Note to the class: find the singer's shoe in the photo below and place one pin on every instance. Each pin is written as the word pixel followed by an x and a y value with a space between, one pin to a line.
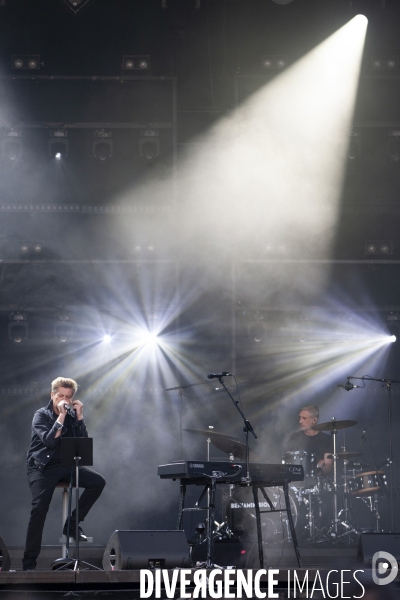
pixel 72 532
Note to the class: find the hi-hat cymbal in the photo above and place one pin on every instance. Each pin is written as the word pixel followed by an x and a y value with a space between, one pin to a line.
pixel 331 425
pixel 346 455
pixel 209 432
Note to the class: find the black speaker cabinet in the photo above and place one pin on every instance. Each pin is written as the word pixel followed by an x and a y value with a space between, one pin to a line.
pixel 369 543
pixel 5 561
pixel 128 550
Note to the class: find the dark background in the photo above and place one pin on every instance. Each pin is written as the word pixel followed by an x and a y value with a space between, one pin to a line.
pixel 127 245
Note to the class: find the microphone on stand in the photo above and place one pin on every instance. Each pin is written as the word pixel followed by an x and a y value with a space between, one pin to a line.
pixel 362 438
pixel 348 386
pixel 218 375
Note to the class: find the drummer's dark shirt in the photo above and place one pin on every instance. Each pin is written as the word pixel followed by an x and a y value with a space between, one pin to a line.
pixel 319 444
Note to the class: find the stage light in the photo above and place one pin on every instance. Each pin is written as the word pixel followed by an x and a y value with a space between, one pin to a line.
pixel 58 143
pixel 103 145
pixel 354 150
pixel 23 249
pixel 385 63
pixel 63 329
pixel 149 144
pixel 393 316
pixel 107 338
pixel 148 338
pixel 270 63
pixel 392 338
pixel 136 63
pixel 378 247
pixel 37 248
pixel 22 62
pixel 18 327
pixel 257 332
pixel 12 150
pixel 76 5
pixel 12 145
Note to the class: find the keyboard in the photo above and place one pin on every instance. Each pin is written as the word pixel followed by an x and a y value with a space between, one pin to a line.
pixel 200 472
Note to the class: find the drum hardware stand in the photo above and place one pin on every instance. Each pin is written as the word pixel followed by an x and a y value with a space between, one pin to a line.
pixel 388 383
pixel 332 531
pixel 334 524
pixel 345 521
pixel 376 512
pixel 311 521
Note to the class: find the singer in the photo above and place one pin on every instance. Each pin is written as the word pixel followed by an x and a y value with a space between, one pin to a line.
pixel 63 416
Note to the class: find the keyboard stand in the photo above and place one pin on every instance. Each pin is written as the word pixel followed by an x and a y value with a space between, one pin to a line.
pixel 288 511
pixel 211 488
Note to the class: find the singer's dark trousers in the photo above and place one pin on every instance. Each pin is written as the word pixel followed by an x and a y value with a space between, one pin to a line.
pixel 42 484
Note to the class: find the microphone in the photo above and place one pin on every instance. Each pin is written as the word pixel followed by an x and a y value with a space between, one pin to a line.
pixel 70 411
pixel 218 375
pixel 348 386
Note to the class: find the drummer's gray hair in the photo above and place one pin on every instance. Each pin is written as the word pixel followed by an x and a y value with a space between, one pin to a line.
pixel 313 410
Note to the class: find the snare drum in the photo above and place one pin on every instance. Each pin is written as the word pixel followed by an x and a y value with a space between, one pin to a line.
pixel 308 461
pixel 365 484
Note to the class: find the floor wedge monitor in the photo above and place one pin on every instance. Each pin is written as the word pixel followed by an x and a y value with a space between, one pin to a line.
pixel 131 549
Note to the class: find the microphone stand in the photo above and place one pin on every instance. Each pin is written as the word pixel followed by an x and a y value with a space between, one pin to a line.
pixel 388 384
pixel 247 427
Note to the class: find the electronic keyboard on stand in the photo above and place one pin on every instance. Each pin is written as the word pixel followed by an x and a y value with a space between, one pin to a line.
pixel 211 473
pixel 198 472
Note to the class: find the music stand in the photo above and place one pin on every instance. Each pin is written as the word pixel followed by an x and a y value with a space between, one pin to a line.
pixel 77 452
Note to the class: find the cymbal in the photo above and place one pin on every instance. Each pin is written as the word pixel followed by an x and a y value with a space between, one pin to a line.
pixel 223 442
pixel 209 432
pixel 346 455
pixel 230 446
pixel 331 425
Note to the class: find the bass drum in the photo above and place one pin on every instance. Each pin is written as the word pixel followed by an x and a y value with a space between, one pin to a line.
pixel 308 461
pixel 274 525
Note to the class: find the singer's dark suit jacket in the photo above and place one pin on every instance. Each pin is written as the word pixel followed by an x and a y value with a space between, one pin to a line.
pixel 44 444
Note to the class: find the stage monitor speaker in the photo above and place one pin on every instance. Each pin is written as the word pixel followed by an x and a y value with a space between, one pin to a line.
pixel 5 561
pixel 128 550
pixel 369 543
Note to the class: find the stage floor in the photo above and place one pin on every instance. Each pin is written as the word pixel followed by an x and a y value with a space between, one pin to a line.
pixel 44 584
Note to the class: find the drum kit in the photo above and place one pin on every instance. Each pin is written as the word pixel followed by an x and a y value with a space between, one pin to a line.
pixel 330 507
pixel 325 509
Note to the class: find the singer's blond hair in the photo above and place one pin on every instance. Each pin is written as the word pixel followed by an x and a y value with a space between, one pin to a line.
pixel 64 382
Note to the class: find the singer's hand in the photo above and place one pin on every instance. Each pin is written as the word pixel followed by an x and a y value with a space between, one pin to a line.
pixel 78 407
pixel 61 408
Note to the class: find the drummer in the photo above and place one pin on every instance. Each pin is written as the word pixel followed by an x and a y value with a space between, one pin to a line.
pixel 311 441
